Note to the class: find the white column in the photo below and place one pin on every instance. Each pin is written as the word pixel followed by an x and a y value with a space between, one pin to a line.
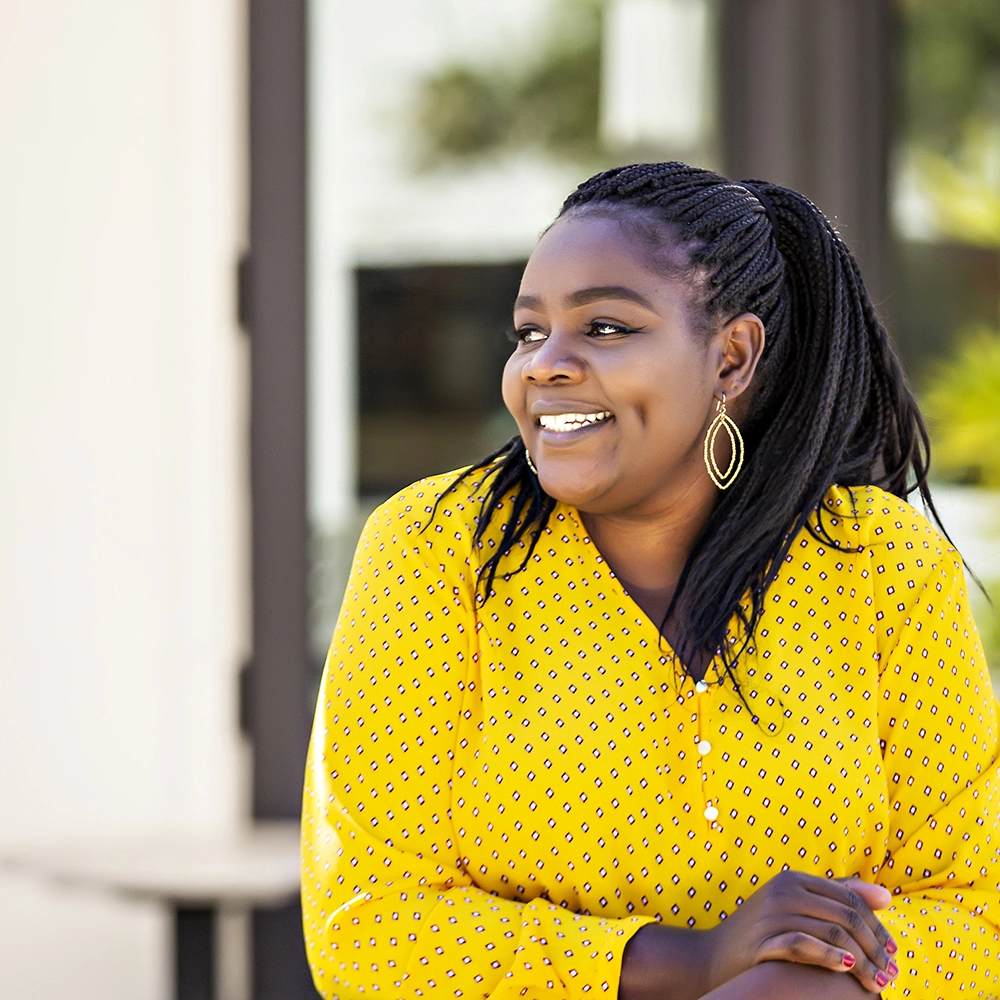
pixel 123 568
pixel 331 333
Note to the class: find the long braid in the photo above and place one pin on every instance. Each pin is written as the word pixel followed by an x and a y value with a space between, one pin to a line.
pixel 829 404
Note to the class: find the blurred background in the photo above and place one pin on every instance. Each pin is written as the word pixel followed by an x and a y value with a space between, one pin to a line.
pixel 257 261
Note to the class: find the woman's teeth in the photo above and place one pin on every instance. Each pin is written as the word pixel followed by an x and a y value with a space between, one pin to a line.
pixel 571 421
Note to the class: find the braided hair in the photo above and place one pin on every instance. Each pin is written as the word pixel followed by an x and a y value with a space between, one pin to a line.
pixel 829 404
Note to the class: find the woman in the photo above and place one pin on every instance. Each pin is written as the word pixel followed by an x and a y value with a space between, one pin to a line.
pixel 675 695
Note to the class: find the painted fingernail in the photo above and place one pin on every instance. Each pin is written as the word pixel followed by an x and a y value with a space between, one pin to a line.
pixel 892 947
pixel 881 980
pixel 848 960
pixel 892 969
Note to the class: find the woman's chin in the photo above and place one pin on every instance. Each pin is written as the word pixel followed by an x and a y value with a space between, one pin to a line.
pixel 578 487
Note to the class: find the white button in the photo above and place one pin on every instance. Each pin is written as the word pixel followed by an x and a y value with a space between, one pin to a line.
pixel 704 747
pixel 711 814
pixel 701 687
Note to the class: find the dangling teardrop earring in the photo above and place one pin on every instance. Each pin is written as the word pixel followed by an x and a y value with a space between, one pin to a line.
pixel 531 465
pixel 723 422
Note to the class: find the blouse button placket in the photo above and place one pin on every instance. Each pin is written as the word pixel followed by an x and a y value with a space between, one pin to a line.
pixel 704 748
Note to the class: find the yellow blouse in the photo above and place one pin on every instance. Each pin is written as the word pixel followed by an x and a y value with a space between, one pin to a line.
pixel 499 795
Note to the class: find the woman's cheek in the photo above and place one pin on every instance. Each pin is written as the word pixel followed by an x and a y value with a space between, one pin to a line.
pixel 512 390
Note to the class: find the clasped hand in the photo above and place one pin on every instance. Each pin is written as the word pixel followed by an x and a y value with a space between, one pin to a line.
pixel 793 918
pixel 809 920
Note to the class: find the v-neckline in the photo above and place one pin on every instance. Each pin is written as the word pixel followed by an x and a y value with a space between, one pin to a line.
pixel 627 600
pixel 640 616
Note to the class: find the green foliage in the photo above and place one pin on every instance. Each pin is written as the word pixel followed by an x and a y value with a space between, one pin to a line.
pixel 952 129
pixel 548 102
pixel 952 113
pixel 964 188
pixel 987 614
pixel 559 97
pixel 962 405
pixel 463 113
pixel 952 69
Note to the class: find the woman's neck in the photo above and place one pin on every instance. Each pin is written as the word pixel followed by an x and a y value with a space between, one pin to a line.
pixel 648 551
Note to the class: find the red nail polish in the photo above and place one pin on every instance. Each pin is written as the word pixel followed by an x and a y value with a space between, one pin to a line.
pixel 892 969
pixel 891 947
pixel 881 980
pixel 848 960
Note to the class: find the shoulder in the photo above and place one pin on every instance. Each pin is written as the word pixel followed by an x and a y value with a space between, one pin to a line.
pixel 872 558
pixel 414 506
pixel 433 520
pixel 900 556
pixel 866 517
pixel 447 495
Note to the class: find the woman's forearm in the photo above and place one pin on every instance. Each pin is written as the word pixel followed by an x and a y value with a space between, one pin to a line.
pixel 789 981
pixel 673 962
pixel 661 961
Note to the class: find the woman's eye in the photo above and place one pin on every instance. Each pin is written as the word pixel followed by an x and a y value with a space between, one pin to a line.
pixel 600 328
pixel 526 335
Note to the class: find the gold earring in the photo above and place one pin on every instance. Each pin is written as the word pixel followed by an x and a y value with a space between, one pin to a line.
pixel 531 465
pixel 723 422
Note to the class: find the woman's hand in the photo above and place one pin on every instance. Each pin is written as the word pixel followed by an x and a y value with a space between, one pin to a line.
pixel 794 919
pixel 809 920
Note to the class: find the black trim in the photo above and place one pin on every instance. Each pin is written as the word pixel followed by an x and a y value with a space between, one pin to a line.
pixel 274 304
pixel 278 716
pixel 194 957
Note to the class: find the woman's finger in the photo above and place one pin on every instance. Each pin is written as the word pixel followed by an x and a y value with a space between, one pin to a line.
pixel 816 942
pixel 846 894
pixel 806 949
pixel 852 924
pixel 876 896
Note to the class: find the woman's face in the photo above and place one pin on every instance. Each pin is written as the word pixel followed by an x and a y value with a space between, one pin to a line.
pixel 611 386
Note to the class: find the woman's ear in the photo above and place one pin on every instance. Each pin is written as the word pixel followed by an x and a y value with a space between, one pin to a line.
pixel 741 343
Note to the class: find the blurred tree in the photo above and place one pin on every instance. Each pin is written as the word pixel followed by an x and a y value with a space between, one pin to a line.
pixel 964 187
pixel 549 101
pixel 952 69
pixel 952 134
pixel 962 398
pixel 988 620
pixel 951 113
pixel 962 404
pixel 464 113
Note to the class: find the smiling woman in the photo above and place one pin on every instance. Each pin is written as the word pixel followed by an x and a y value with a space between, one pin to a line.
pixel 591 723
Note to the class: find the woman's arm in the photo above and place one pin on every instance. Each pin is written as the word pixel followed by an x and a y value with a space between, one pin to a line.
pixel 663 962
pixel 938 730
pixel 790 981
pixel 390 907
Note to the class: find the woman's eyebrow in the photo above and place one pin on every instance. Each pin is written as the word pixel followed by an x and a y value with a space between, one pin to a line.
pixel 587 295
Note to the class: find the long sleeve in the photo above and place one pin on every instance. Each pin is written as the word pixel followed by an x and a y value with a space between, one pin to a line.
pixel 389 905
pixel 937 718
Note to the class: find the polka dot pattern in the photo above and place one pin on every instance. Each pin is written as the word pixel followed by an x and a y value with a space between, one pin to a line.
pixel 499 795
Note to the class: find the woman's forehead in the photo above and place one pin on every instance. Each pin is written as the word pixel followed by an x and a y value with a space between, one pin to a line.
pixel 594 250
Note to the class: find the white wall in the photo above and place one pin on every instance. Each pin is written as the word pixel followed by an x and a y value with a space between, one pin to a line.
pixel 123 505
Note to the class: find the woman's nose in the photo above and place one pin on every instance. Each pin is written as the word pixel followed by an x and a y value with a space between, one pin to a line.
pixel 554 360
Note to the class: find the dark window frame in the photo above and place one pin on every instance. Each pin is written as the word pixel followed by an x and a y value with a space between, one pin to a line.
pixel 273 303
pixel 277 716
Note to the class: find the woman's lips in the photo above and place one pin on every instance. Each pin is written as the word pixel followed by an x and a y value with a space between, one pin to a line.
pixel 566 423
pixel 558 429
